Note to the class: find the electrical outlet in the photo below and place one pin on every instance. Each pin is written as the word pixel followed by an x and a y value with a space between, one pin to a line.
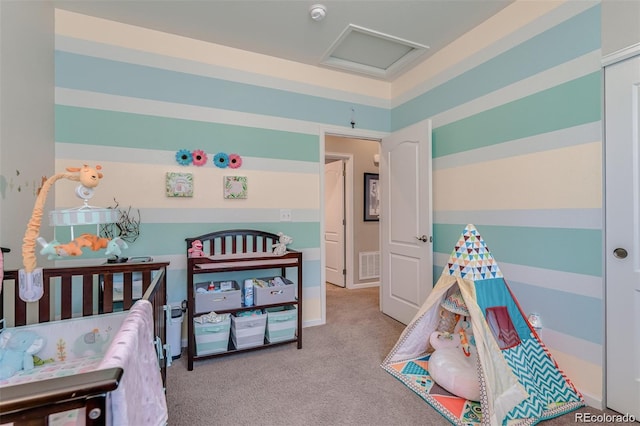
pixel 285 215
pixel 535 321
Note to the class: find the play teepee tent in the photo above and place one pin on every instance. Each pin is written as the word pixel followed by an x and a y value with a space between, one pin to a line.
pixel 472 355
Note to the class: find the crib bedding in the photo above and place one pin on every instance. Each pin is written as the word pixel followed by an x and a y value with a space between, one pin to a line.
pixel 122 339
pixel 139 400
pixel 71 346
pixel 53 370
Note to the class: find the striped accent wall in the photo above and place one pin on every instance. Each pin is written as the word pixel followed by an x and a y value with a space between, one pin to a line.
pixel 130 103
pixel 517 151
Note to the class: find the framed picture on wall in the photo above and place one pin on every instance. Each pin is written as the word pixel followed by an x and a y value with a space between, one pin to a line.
pixel 371 197
pixel 179 184
pixel 235 187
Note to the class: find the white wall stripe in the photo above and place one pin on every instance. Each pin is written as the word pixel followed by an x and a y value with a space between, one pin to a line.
pixel 85 99
pixel 543 218
pixel 132 56
pixel 424 73
pixel 590 286
pixel 544 80
pixel 579 348
pixel 231 214
pixel 571 136
pixel 102 154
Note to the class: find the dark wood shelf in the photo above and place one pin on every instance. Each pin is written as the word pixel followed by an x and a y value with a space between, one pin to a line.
pixel 233 350
pixel 239 250
pixel 249 308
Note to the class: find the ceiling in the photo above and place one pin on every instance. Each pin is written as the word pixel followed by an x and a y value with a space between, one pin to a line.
pixel 367 37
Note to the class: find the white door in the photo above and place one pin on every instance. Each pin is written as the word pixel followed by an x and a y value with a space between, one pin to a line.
pixel 622 158
pixel 334 222
pixel 405 221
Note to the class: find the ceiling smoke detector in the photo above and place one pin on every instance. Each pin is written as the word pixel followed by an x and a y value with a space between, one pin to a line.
pixel 318 12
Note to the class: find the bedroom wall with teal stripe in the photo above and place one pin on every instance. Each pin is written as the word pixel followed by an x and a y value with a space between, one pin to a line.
pixel 123 129
pixel 129 98
pixel 568 40
pixel 107 76
pixel 566 105
pixel 517 151
pixel 131 110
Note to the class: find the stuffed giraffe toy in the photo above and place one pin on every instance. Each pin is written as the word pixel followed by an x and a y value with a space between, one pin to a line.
pixel 31 279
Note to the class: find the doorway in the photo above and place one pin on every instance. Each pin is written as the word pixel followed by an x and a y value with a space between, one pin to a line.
pixel 335 218
pixel 343 212
pixel 341 140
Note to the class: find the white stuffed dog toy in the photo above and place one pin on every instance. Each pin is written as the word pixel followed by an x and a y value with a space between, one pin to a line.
pixel 281 247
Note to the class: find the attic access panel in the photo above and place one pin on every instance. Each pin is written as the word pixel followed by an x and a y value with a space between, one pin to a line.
pixel 371 52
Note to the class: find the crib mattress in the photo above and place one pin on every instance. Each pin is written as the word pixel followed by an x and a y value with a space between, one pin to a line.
pixel 54 370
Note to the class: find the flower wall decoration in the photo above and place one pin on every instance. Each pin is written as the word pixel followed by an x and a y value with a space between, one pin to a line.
pixel 221 160
pixel 184 157
pixel 199 157
pixel 235 161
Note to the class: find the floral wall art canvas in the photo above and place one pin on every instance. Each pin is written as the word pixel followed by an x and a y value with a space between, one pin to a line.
pixel 179 184
pixel 235 187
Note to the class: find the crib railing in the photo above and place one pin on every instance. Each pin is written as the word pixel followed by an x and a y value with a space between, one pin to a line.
pixel 92 285
pixel 32 403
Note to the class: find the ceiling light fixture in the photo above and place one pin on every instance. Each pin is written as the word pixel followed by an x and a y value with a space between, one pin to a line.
pixel 318 12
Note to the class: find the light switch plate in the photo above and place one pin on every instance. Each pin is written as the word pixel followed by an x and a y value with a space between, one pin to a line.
pixel 285 215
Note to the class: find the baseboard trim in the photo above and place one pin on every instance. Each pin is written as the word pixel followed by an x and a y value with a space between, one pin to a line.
pixel 312 323
pixel 364 285
pixel 593 401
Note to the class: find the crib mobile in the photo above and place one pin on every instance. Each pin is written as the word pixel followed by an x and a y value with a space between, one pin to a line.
pixel 30 277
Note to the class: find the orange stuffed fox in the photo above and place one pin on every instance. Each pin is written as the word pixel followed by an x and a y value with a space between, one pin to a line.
pixel 95 242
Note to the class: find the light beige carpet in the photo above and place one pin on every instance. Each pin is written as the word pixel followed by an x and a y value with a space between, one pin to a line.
pixel 335 379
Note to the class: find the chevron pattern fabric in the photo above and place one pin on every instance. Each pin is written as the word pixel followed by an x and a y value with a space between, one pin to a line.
pixel 547 387
pixel 550 392
pixel 471 258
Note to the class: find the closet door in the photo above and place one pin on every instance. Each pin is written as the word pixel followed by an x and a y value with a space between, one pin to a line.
pixel 622 245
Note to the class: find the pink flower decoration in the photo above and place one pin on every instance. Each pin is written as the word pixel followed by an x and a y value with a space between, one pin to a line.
pixel 235 161
pixel 199 157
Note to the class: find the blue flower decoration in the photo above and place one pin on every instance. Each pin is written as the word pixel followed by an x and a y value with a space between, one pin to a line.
pixel 221 160
pixel 184 157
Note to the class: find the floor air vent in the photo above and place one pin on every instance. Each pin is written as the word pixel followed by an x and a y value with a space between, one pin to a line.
pixel 369 265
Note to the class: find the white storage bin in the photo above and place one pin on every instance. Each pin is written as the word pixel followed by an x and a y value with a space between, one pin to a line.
pixel 276 293
pixel 282 324
pixel 248 332
pixel 214 301
pixel 212 337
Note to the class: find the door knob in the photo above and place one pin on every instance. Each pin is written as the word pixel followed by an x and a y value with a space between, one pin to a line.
pixel 423 238
pixel 620 253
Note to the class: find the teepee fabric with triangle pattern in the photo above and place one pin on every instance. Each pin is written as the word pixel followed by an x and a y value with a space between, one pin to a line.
pixel 520 381
pixel 471 258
